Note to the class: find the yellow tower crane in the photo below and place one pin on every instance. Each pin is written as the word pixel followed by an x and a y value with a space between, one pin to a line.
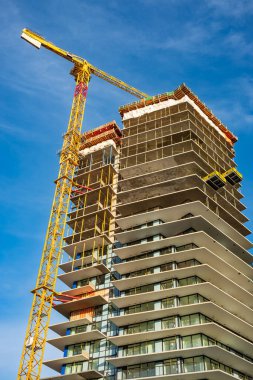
pixel 43 294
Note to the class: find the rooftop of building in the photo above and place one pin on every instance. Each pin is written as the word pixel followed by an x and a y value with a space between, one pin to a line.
pixel 100 134
pixel 178 94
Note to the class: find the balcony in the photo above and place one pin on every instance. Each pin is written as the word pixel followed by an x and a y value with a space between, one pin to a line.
pixel 144 190
pixel 99 297
pixel 203 255
pixel 216 374
pixel 83 261
pixel 81 223
pixel 88 288
pixel 214 352
pixel 87 244
pixel 190 194
pixel 211 329
pixel 92 195
pixel 179 227
pixel 200 239
pixel 87 336
pixel 60 328
pixel 56 364
pixel 211 310
pixel 206 289
pixel 89 374
pixel 173 213
pixel 204 271
pixel 83 273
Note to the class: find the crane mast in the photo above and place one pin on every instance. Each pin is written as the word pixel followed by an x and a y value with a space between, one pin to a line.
pixel 44 292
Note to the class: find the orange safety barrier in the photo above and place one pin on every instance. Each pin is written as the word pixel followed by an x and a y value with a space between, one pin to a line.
pixel 109 131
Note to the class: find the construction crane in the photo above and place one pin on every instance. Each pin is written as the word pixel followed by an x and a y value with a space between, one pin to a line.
pixel 44 292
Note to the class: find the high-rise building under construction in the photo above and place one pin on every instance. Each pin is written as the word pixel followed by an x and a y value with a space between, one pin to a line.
pixel 159 274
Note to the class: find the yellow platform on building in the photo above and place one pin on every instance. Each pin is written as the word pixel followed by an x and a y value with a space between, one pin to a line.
pixel 215 180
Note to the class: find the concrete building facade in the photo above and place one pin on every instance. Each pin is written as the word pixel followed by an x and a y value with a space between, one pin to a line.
pixel 159 273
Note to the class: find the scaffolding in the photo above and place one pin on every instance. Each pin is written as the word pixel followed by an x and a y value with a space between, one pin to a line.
pixel 178 95
pixel 91 220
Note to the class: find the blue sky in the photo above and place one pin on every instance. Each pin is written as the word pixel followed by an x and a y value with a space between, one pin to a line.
pixel 152 45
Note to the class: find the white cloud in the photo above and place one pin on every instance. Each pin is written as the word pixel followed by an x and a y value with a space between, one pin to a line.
pixel 231 8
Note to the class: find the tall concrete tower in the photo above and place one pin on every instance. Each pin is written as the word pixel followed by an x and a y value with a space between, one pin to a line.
pixel 159 273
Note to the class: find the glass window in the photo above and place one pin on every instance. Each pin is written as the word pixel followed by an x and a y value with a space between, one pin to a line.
pixel 204 319
pixel 199 363
pixel 189 364
pixel 147 306
pixel 150 326
pixel 140 289
pixel 140 348
pixel 100 280
pixel 73 368
pixel 210 342
pixel 170 366
pixel 192 341
pixel 169 344
pixel 80 329
pixel 185 320
pixel 169 323
pixel 183 282
pixel 191 299
pixel 211 364
pixel 194 319
pixel 98 311
pixel 95 346
pixel 168 266
pixel 194 364
pixel 167 284
pixel 140 327
pixel 148 347
pixel 168 302
pixel 77 349
pixel 132 329
pixel 187 342
pixel 133 372
pixel 135 349
pixel 188 263
pixel 189 281
pixel 94 364
pixel 196 340
pixel 166 250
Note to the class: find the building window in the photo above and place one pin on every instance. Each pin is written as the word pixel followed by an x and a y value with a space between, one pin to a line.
pixel 140 327
pixel 169 323
pixel 170 367
pixel 191 299
pixel 140 308
pixel 140 348
pixel 168 302
pixel 188 263
pixel 168 266
pixel 190 281
pixel 73 368
pixel 194 319
pixel 169 344
pixel 78 329
pixel 192 341
pixel 194 364
pixel 167 284
pixel 140 289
